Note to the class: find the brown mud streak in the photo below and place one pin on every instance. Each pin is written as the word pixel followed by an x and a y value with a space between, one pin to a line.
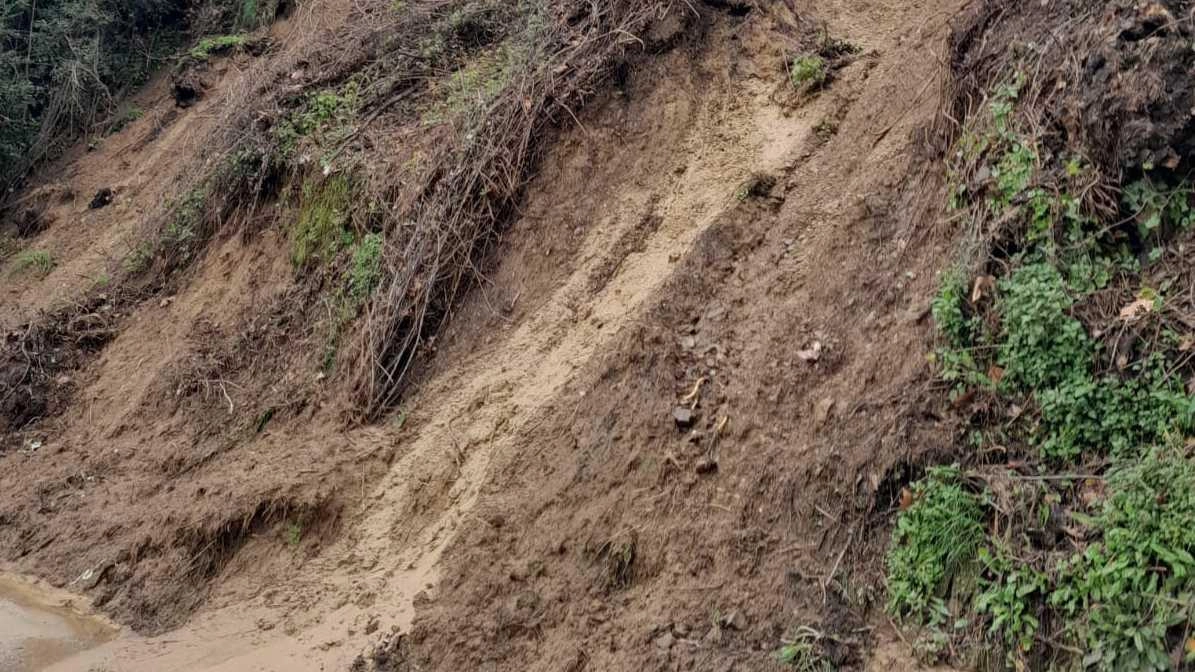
pixel 544 430
pixel 762 510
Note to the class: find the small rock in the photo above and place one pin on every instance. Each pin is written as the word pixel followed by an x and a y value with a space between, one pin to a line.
pixel 823 410
pixel 812 353
pixel 706 465
pixel 735 620
pixel 688 342
pixel 102 197
pixel 665 641
pixel 683 416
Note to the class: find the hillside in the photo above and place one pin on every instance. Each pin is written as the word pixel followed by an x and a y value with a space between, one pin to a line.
pixel 609 335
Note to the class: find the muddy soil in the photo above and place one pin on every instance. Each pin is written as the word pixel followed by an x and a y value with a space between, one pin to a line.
pixel 42 626
pixel 663 433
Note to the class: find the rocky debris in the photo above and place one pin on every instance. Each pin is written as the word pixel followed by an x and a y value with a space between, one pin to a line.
pixel 684 417
pixel 812 353
pixel 823 410
pixel 102 197
pixel 735 620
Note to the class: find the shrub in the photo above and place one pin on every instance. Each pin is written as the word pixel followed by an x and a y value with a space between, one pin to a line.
pixel 1043 344
pixel 1011 599
pixel 808 69
pixel 65 65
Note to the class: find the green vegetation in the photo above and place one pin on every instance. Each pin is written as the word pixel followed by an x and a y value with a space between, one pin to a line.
pixel 941 530
pixel 138 260
pixel 1125 595
pixel 366 269
pixel 124 117
pixel 293 534
pixel 319 233
pixel 1037 343
pixel 1008 597
pixel 40 262
pixel 324 116
pixel 807 70
pixel 803 653
pixel 64 64
pixel 216 44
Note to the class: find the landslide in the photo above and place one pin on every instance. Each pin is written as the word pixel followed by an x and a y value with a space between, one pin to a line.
pixel 462 335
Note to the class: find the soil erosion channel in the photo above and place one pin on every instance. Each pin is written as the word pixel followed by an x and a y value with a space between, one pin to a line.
pixel 629 192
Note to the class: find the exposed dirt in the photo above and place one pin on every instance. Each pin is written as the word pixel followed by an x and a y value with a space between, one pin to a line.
pixel 534 505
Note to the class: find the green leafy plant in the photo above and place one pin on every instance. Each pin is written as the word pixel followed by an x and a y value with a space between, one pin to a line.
pixel 1010 592
pixel 807 70
pixel 949 310
pixel 366 269
pixel 216 44
pixel 803 653
pixel 1043 344
pixel 1154 207
pixel 293 534
pixel 325 116
pixel 934 537
pixel 1013 173
pixel 1127 594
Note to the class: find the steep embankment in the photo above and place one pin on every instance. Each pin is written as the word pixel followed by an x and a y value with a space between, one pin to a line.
pixel 663 431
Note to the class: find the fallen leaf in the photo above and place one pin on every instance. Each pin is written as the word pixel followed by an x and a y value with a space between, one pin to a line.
pixel 996 374
pixel 1135 310
pixel 906 499
pixel 963 399
pixel 1186 343
pixel 1191 646
pixel 985 285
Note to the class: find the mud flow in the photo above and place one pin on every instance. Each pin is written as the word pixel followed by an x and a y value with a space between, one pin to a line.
pixel 37 631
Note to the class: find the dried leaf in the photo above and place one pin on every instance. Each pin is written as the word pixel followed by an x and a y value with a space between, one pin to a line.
pixel 1186 343
pixel 906 499
pixel 1136 310
pixel 985 285
pixel 996 374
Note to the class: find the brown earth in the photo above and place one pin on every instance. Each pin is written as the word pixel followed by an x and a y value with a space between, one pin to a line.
pixel 704 236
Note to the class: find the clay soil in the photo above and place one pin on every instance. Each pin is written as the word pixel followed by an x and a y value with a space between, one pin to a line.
pixel 665 431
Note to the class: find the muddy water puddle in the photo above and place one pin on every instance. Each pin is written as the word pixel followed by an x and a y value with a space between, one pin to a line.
pixel 38 627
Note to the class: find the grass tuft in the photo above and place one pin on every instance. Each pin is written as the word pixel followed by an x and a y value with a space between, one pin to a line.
pixel 39 262
pixel 934 537
pixel 319 232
